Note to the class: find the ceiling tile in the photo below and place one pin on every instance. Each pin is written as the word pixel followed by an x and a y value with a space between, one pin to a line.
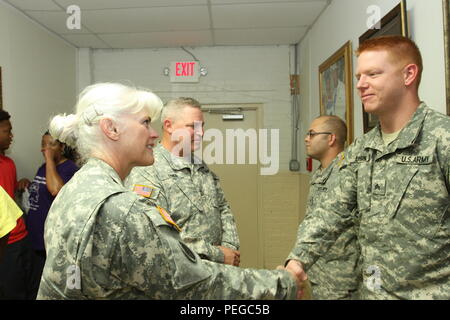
pixel 55 21
pixel 115 4
pixel 158 39
pixel 258 36
pixel 34 4
pixel 143 20
pixel 215 2
pixel 174 23
pixel 265 15
pixel 85 41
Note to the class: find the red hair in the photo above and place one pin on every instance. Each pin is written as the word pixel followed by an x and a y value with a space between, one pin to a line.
pixel 401 49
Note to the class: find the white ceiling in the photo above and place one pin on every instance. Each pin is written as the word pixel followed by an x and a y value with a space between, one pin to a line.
pixel 175 23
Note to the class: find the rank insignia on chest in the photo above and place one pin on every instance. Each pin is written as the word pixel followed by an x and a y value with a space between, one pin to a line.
pixel 166 216
pixel 379 187
pixel 145 191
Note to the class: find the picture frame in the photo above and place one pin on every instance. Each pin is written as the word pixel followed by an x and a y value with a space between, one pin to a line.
pixel 336 87
pixel 446 12
pixel 395 22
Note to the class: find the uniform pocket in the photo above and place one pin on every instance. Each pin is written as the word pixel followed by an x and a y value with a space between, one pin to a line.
pixel 399 193
pixel 188 252
pixel 188 268
pixel 420 204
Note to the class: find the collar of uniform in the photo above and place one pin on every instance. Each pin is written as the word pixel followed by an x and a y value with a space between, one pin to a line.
pixel 374 139
pixel 177 163
pixel 321 176
pixel 409 134
pixel 95 162
pixel 406 137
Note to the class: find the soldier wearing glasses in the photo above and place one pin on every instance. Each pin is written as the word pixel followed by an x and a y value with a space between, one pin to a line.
pixel 334 276
pixel 397 177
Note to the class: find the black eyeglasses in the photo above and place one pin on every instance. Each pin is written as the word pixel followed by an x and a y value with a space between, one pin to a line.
pixel 311 134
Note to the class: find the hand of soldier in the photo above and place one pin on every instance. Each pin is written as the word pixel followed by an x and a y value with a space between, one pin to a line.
pixel 231 257
pixel 296 269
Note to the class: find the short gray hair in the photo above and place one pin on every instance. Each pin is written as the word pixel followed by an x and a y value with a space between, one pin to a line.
pixel 173 107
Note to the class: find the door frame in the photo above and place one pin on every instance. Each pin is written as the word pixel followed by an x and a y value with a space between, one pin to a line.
pixel 259 108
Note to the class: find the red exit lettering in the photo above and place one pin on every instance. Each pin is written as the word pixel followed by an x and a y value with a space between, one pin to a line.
pixel 184 69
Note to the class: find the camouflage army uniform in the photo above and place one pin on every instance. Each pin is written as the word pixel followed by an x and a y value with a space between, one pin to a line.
pixel 334 276
pixel 105 242
pixel 401 192
pixel 195 200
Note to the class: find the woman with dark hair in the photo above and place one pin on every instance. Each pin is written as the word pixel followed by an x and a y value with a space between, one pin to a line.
pixel 58 168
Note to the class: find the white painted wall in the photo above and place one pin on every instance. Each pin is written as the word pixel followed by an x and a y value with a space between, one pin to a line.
pixel 345 20
pixel 84 68
pixel 39 80
pixel 235 75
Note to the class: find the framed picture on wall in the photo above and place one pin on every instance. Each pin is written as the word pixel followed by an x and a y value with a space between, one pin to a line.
pixel 335 87
pixel 393 23
pixel 446 10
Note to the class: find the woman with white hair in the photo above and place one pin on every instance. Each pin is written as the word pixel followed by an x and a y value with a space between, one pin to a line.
pixel 105 242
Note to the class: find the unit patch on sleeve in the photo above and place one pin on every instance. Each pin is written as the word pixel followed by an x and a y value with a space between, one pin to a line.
pixel 166 216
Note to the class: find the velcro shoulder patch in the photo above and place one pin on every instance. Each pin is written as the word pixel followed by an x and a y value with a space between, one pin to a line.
pixel 143 190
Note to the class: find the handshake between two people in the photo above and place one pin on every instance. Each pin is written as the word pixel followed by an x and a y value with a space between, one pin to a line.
pixel 231 257
pixel 295 268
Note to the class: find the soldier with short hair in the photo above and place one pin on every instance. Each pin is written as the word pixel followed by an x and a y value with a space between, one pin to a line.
pixel 335 275
pixel 186 186
pixel 397 176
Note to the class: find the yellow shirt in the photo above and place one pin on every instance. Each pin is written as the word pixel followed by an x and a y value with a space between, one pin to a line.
pixel 9 213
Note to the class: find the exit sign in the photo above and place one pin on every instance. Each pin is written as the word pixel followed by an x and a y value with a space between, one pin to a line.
pixel 184 71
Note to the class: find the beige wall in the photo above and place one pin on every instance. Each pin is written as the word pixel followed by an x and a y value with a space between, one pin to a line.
pixel 39 80
pixel 283 205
